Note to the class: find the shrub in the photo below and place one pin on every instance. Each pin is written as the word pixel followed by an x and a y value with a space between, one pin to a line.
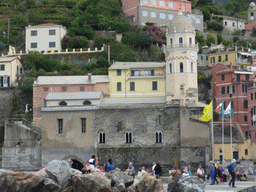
pixel 102 62
pixel 78 42
pixel 64 41
pixel 235 39
pixel 2 45
pixel 215 26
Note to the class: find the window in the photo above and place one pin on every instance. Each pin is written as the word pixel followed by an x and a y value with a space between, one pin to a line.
pixel 227 89
pixel 118 72
pixel 170 17
pixel 232 91
pixel 87 102
pixel 102 138
pixel 144 13
pixel 144 1
pixel 162 3
pixel 153 14
pixel 232 104
pixel 233 24
pixel 251 96
pixel 219 58
pixel 132 86
pixel 242 67
pixel 52 44
pixel 222 90
pixel 158 137
pixel 213 60
pixel 60 126
pixel 206 58
pixel 21 70
pixel 153 2
pixel 170 68
pixel 149 72
pixel 245 118
pixel 128 137
pixel 34 33
pixel 162 15
pixel 192 67
pixel 246 152
pixel 244 88
pixel 180 40
pixel 251 14
pixel 181 67
pixel 137 73
pixel 202 57
pixel 154 85
pixel 52 32
pixel 171 4
pixel 83 125
pixel 226 57
pixel 132 72
pixel 46 89
pixel 238 77
pixel 223 77
pixel 245 104
pixel 197 20
pixel 64 89
pixel 171 41
pixel 81 88
pixel 63 103
pixel 190 40
pixel 119 88
pixel 226 23
pixel 33 45
pixel 247 76
pixel 2 67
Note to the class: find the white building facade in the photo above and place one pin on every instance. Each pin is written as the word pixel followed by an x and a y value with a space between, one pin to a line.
pixel 44 37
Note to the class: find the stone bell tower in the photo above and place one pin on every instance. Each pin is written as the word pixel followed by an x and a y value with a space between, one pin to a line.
pixel 181 62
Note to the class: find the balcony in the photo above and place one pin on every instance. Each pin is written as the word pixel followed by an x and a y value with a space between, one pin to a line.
pixel 181 45
pixel 144 76
pixel 243 61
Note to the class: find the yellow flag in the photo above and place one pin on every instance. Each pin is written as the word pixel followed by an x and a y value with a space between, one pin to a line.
pixel 207 113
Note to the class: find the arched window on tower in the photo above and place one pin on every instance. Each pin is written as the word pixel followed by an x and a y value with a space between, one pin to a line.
pixel 251 14
pixel 192 67
pixel 170 41
pixel 170 68
pixel 181 42
pixel 181 67
pixel 190 40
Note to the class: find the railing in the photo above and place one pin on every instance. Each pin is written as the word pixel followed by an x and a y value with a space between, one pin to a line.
pixel 143 75
pixel 182 46
pixel 246 61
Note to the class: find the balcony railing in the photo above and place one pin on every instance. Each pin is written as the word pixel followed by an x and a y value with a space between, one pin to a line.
pixel 143 75
pixel 181 45
pixel 245 61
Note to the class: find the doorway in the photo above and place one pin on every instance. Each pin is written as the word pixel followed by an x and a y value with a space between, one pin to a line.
pixel 235 155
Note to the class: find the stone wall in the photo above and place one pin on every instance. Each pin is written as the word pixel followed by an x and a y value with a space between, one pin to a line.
pixel 6 102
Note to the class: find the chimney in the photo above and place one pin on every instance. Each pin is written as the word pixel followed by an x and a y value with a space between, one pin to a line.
pixel 89 77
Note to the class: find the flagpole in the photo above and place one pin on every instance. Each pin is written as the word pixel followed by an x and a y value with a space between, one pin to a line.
pixel 222 132
pixel 212 136
pixel 231 134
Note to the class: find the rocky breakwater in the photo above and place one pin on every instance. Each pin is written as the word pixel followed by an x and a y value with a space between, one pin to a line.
pixel 57 176
pixel 186 184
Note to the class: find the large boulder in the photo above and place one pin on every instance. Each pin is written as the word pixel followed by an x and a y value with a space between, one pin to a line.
pixel 186 184
pixel 60 172
pixel 119 179
pixel 148 183
pixel 94 182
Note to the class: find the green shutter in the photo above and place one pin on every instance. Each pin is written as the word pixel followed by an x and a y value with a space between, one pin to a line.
pixel 206 58
pixel 223 90
pixel 219 59
pixel 152 72
pixel 8 81
pixel 251 96
pixel 232 105
pixel 245 104
pixel 132 86
pixel 132 73
pixel 223 77
pixel 119 72
pixel 2 79
pixel 227 89
pixel 2 67
pixel 226 57
pixel 119 86
pixel 154 85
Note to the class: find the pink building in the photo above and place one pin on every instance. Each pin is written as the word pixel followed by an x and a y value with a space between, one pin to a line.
pixel 231 84
pixel 160 12
pixel 252 113
pixel 46 84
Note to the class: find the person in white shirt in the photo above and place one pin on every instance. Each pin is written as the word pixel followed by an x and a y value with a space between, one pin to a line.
pixel 153 169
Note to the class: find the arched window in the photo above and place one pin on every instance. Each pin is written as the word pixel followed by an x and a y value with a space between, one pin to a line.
pixel 63 103
pixel 158 137
pixel 128 137
pixel 181 67
pixel 190 40
pixel 181 42
pixel 171 41
pixel 87 102
pixel 170 68
pixel 251 14
pixel 192 67
pixel 102 137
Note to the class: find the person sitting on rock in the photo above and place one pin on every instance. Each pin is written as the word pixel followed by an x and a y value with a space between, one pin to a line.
pixel 103 168
pixel 200 172
pixel 87 168
pixel 241 173
pixel 70 162
pixel 250 170
pixel 92 160
pixel 153 169
pixel 130 170
pixel 176 173
pixel 110 166
pixel 158 170
pixel 187 171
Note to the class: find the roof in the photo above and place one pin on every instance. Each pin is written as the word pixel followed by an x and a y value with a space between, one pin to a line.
pixel 249 26
pixel 44 24
pixel 73 95
pixel 181 24
pixel 68 108
pixel 135 65
pixel 7 59
pixel 70 80
pixel 228 18
pixel 130 101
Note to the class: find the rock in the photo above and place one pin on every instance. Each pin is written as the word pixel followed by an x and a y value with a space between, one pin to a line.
pixel 94 182
pixel 119 178
pixel 148 183
pixel 186 184
pixel 50 186
pixel 40 172
pixel 59 171
pixel 75 171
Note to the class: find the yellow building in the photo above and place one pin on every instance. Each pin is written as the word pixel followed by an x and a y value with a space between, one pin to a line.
pixel 222 57
pixel 137 79
pixel 10 71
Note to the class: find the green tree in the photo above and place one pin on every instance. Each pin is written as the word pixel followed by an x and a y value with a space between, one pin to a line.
pixel 253 32
pixel 2 46
pixel 226 43
pixel 141 40
pixel 210 39
pixel 219 38
pixel 30 4
pixel 78 42
pixel 235 39
pixel 214 25
pixel 102 62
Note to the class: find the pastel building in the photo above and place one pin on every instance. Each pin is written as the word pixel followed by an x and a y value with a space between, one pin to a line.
pixel 44 37
pixel 161 12
pixel 10 71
